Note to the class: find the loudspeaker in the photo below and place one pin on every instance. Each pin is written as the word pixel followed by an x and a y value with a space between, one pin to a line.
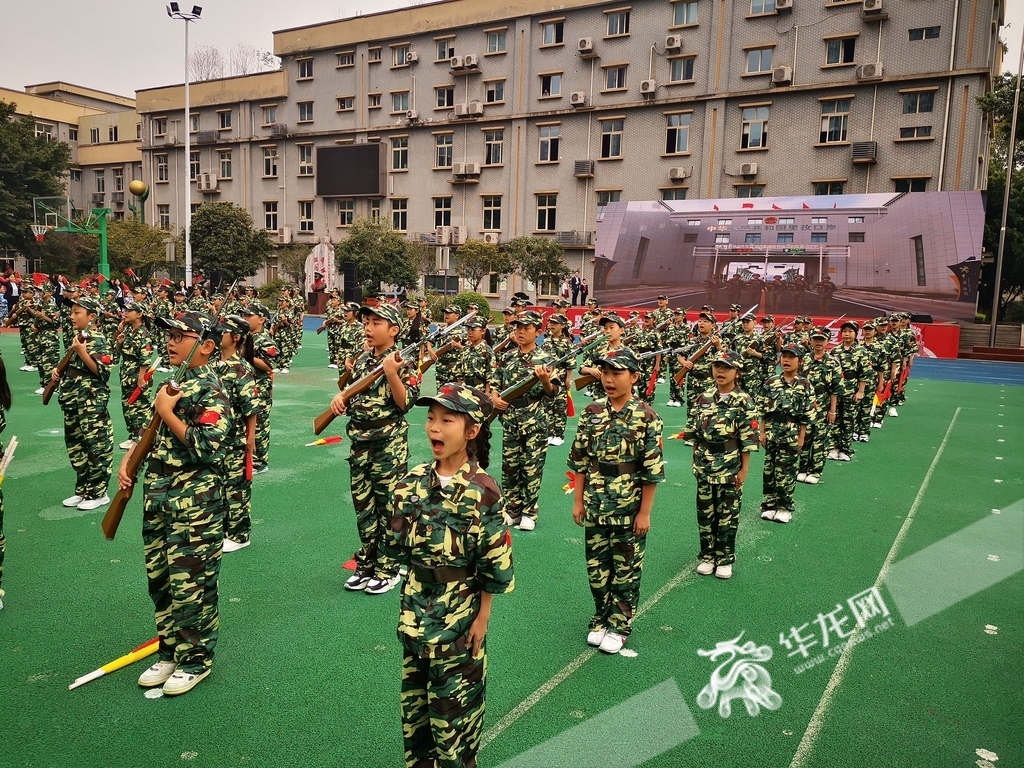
pixel 920 318
pixel 350 271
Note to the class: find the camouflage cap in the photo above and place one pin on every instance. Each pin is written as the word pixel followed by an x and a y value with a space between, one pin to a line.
pixel 735 308
pixel 411 305
pixel 461 399
pixel 850 324
pixel 707 315
pixel 611 317
pixel 528 318
pixel 189 322
pixel 559 318
pixel 384 311
pixel 134 306
pixel 477 322
pixel 730 358
pixel 881 321
pixel 353 306
pixel 233 324
pixel 521 296
pixel 72 288
pixel 138 289
pixel 634 313
pixel 768 319
pixel 508 311
pixel 109 291
pixel 794 349
pixel 709 308
pixel 663 297
pixel 591 302
pixel 869 325
pixel 453 309
pixel 256 308
pixel 749 316
pixel 821 333
pixel 473 306
pixel 621 359
pixel 89 303
pixel 30 288
pixel 46 287
pixel 679 311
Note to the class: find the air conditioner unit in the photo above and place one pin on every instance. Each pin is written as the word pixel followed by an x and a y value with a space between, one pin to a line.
pixel 412 57
pixel 578 98
pixel 492 237
pixel 476 109
pixel 459 234
pixel 678 174
pixel 472 169
pixel 472 61
pixel 582 169
pixel 206 137
pixel 284 236
pixel 585 45
pixel 170 140
pixel 458 62
pixel 443 236
pixel 870 71
pixel 782 75
pixel 783 5
pixel 675 42
pixel 748 169
pixel 462 110
pixel 648 87
pixel 97 197
pixel 458 169
pixel 278 129
pixel 412 116
pixel 871 6
pixel 865 152
pixel 117 197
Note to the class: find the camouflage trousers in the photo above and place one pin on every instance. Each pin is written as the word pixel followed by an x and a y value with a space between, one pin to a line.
pixel 523 451
pixel 47 354
pixel 261 456
pixel 237 496
pixel 29 347
pixel 3 541
pixel 335 348
pixel 89 437
pixel 183 539
pixel 862 419
pixel 846 421
pixel 443 702
pixel 752 383
pixel 676 393
pixel 375 469
pixel 817 442
pixel 781 465
pixel 646 371
pixel 615 559
pixel 444 373
pixel 138 414
pixel 718 518
pixel 694 388
pixel 557 409
pixel 284 350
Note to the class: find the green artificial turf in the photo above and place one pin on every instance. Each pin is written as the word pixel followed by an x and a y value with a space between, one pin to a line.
pixel 307 674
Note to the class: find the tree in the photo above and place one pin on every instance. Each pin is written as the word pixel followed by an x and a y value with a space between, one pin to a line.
pixel 245 59
pixel 381 255
pixel 292 259
pixel 475 259
pixel 537 258
pixel 30 166
pixel 65 253
pixel 225 244
pixel 136 246
pixel 205 63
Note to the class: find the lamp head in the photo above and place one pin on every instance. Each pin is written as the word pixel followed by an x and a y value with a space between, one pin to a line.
pixel 172 9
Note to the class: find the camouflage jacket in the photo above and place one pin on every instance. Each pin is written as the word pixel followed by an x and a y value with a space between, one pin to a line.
pixel 661 316
pixel 676 335
pixel 238 381
pixel 701 370
pixel 374 415
pixel 557 348
pixel 516 367
pixel 191 470
pixel 336 316
pixel 908 343
pixel 264 348
pixel 724 426
pixel 476 365
pixel 854 367
pixel 646 340
pixel 353 338
pixel 786 405
pixel 461 525
pixel 620 453
pixel 163 308
pixel 499 334
pixel 729 331
pixel 51 322
pixel 752 365
pixel 81 388
pixel 136 351
pixel 826 378
pixel 878 360
pixel 891 348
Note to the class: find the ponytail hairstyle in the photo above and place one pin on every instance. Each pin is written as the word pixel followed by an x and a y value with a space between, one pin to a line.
pixel 5 390
pixel 246 348
pixel 479 448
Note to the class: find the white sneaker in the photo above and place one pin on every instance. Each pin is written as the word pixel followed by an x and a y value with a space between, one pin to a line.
pixel 275 370
pixel 86 504
pixel 556 441
pixel 768 514
pixel 673 404
pixel 40 390
pixel 30 368
pixel 783 516
pixel 612 642
pixel 261 470
pixel 844 456
pixel 332 365
pixel 285 370
pixel 183 682
pixel 551 441
pixel 723 572
pixel 124 446
pixel 856 437
pixel 596 637
pixel 833 455
pixel 230 545
pixel 893 412
pixel 661 380
pixel 865 438
pixel 73 501
pixel 25 367
pixel 357 581
pixel 163 369
pixel 377 586
pixel 802 477
pixel 158 674
pixel 526 523
pixel 812 479
pixel 876 425
pixel 706 568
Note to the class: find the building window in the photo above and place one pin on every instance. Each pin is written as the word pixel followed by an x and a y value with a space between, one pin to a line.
pixel 138 132
pixel 163 215
pixel 752 237
pixel 400 102
pixel 551 32
pixel 678 138
pixel 840 50
pixel 755 128
pixel 400 214
pixel 611 138
pixel 346 103
pixel 45 130
pixel 609 196
pixel 615 77
pixel 346 59
pixel 828 187
pixel 374 55
pixel 94 135
pixel 496 42
pixel 194 120
pixel 445 50
pixel 786 221
pixel 160 126
pixel 445 96
pixel 546 209
pixel 375 209
pixel 270 162
pixel 442 211
pixel 400 154
pixel 618 23
pixel 270 216
pixel 759 60
pixel 305 215
pixel 916 132
pixel 305 159
pixel 784 237
pixel 492 212
pixel 400 56
pixel 112 133
pixel 676 193
pixel 346 212
pixel 549 139
pixel 918 243
pixel 694 222
pixel 305 69
pixel 819 237
pixel 162 171
pixel 834 117
pixel 193 166
pixel 750 190
pixel 722 238
pixel 856 237
pixel 75 174
pixel 373 101
pixel 680 70
pixel 225 164
pixel 305 111
pixel 725 222
pixel 494 91
pixel 551 85
pixel 118 179
pixel 685 13
pixel 72 134
pixel 443 147
pixel 819 220
pixel 918 101
pixel 924 33
pixel 493 144
pixel 761 6
pixel 855 220
pixel 270 114
pixel 224 119
pixel 911 185
pixel 758 222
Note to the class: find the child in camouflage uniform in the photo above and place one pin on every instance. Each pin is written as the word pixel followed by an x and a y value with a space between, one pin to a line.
pixel 879 374
pixel 616 457
pixel 136 350
pixel 724 432
pixel 5 405
pixel 855 370
pixel 334 319
pixel 183 509
pixel 476 363
pixel 446 366
pixel 46 325
pixel 698 377
pixel 675 335
pixel 265 354
pixel 822 371
pixel 558 343
pixel 379 434
pixel 449 530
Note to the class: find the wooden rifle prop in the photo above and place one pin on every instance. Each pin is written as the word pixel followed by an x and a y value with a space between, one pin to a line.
pixel 62 366
pixel 501 345
pixel 8 458
pixel 9 320
pixel 146 378
pixel 680 375
pixel 519 389
pixel 440 352
pixel 411 352
pixel 141 451
pixel 332 321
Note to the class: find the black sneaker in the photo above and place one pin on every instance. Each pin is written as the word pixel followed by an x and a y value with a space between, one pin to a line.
pixel 357 581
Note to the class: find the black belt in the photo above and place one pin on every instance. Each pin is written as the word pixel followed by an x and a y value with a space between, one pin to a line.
pixel 165 469
pixel 525 400
pixel 609 469
pixel 781 418
pixel 365 424
pixel 721 445
pixel 847 375
pixel 442 574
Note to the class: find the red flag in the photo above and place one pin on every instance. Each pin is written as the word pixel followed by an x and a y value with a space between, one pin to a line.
pixel 835 205
pixel 38 278
pixel 715 207
pixel 806 205
pixel 748 205
pixel 166 281
pixel 775 207
pixel 248 466
pixel 570 407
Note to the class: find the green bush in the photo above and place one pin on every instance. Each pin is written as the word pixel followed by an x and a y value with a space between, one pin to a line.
pixel 464 299
pixel 270 290
pixel 1014 313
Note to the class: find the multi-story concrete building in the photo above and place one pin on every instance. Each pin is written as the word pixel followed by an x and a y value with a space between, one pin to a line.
pixel 519 118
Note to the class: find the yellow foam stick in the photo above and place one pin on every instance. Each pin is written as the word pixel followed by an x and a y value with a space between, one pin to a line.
pixel 147 649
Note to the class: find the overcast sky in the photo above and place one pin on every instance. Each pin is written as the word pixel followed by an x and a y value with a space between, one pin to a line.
pixel 124 45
